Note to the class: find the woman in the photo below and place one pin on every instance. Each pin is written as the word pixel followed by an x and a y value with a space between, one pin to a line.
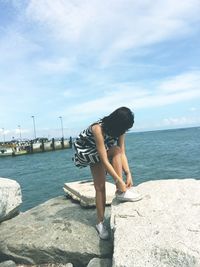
pixel 101 146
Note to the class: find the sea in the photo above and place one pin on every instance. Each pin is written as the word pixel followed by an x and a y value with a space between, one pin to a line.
pixel 153 155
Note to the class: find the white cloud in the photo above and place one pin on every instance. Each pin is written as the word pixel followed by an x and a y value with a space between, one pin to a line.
pixel 140 98
pixel 167 123
pixel 158 100
pixel 90 48
pixel 66 19
pixel 176 89
pixel 112 27
pixel 182 82
pixel 180 121
pixel 109 101
pixel 9 134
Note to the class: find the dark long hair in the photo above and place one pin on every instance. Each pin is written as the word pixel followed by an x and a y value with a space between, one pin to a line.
pixel 118 122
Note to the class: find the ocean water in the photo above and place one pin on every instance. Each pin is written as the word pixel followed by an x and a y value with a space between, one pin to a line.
pixel 167 154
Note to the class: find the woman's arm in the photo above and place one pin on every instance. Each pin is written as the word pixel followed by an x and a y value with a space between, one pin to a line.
pixel 125 165
pixel 99 140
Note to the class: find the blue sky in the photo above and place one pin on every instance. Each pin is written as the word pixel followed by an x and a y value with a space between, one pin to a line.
pixel 82 59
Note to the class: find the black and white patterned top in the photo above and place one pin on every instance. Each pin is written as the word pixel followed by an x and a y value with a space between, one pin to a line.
pixel 85 147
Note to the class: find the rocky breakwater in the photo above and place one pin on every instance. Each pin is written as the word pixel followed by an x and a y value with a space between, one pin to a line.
pixel 10 198
pixel 57 231
pixel 162 229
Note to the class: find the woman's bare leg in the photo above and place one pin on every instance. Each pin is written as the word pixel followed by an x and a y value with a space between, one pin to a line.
pixel 99 177
pixel 114 154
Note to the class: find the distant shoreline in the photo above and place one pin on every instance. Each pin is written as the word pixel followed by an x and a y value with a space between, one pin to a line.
pixel 160 130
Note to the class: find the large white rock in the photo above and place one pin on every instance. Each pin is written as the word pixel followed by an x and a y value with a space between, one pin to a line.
pixel 55 232
pixel 84 192
pixel 10 198
pixel 161 230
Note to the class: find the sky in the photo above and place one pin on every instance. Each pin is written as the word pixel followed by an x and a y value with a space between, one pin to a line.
pixel 73 62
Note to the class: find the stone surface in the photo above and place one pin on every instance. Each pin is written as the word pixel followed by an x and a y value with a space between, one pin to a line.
pixel 96 262
pixel 7 264
pixel 48 265
pixel 10 198
pixel 84 192
pixel 161 230
pixel 58 231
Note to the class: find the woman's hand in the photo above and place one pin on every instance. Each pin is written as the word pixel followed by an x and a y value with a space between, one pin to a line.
pixel 121 186
pixel 129 180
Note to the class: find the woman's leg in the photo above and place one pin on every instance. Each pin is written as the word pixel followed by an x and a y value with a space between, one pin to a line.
pixel 115 156
pixel 99 177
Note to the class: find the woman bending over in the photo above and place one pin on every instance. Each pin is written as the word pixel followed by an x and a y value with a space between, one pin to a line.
pixel 102 147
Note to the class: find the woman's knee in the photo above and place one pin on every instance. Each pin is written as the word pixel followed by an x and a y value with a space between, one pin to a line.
pixel 100 187
pixel 114 151
pixel 99 176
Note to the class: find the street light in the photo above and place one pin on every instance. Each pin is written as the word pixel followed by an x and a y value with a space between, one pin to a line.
pixel 20 134
pixel 33 117
pixel 61 122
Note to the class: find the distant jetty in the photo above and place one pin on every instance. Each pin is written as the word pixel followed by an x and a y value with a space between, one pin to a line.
pixel 18 147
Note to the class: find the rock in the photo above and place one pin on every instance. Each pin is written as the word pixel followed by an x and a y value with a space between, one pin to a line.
pixel 96 262
pixel 161 230
pixel 57 231
pixel 84 192
pixel 8 264
pixel 48 265
pixel 10 198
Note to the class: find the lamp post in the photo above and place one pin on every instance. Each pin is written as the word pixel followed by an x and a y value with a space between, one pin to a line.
pixel 61 123
pixel 33 117
pixel 20 134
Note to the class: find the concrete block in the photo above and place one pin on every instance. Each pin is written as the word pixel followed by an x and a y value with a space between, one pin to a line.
pixel 161 230
pixel 10 198
pixel 84 192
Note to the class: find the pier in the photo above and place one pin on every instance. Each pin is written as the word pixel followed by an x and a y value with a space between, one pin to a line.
pixel 18 147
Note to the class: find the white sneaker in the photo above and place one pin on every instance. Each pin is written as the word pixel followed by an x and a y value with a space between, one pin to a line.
pixel 102 231
pixel 129 195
